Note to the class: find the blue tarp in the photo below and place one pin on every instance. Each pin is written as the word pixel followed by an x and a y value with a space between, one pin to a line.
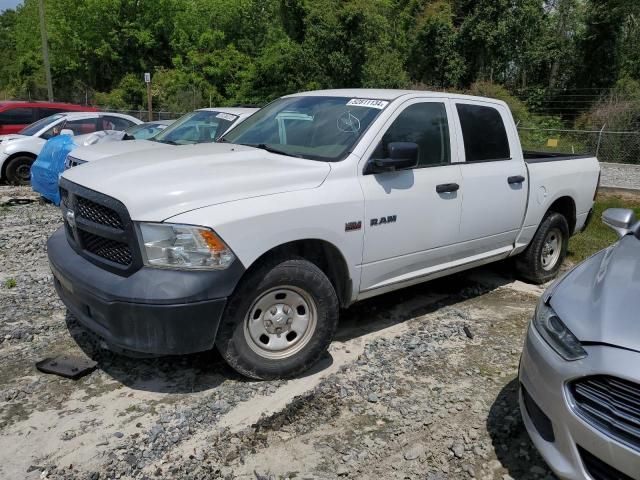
pixel 49 165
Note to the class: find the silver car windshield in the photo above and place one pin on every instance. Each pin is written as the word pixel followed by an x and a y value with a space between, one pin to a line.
pixel 316 128
pixel 40 124
pixel 201 126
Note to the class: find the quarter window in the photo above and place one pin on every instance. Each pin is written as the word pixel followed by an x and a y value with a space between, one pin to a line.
pixel 16 116
pixel 485 137
pixel 424 124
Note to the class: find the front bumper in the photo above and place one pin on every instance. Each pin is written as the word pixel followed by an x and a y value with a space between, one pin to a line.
pixel 156 311
pixel 544 375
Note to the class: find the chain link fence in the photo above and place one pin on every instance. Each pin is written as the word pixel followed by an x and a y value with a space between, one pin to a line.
pixel 608 146
pixel 144 114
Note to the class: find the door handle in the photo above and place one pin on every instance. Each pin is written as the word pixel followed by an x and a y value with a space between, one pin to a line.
pixel 515 179
pixel 447 187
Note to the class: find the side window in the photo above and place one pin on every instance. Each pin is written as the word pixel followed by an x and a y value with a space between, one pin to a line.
pixel 17 116
pixel 80 127
pixel 485 137
pixel 115 123
pixel 46 112
pixel 426 125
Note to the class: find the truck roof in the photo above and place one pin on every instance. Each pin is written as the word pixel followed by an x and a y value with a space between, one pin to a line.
pixel 387 94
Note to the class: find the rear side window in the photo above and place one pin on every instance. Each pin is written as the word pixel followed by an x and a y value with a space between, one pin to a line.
pixel 46 112
pixel 426 125
pixel 485 137
pixel 115 123
pixel 16 116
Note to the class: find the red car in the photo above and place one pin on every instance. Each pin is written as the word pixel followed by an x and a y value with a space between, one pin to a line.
pixel 15 115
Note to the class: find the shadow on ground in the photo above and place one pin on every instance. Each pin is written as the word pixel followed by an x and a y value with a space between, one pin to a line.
pixel 510 440
pixel 207 370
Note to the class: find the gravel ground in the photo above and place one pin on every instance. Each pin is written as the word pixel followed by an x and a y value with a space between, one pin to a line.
pixel 403 393
pixel 620 175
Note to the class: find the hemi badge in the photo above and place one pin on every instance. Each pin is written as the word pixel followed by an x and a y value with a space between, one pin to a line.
pixel 352 226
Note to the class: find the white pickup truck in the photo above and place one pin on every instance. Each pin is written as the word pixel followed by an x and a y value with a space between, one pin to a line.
pixel 321 199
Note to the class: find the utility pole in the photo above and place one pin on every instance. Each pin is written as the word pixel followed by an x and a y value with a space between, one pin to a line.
pixel 147 80
pixel 45 50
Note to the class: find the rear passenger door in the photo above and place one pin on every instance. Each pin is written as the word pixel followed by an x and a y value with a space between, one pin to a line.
pixel 12 120
pixel 410 222
pixel 494 177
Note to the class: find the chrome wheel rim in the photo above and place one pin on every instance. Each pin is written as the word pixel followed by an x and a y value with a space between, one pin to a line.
pixel 280 322
pixel 551 249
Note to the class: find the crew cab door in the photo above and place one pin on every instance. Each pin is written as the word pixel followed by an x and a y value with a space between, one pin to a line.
pixel 411 215
pixel 494 177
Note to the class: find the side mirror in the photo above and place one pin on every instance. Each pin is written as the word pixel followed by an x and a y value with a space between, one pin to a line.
pixel 67 131
pixel 402 155
pixel 621 220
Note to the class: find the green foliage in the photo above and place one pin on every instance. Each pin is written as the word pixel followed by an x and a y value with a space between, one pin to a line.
pixel 10 283
pixel 597 235
pixel 204 52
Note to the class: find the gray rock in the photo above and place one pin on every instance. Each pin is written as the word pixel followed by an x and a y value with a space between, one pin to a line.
pixel 414 452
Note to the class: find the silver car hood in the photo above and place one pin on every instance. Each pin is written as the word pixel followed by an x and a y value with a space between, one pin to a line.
pixel 600 299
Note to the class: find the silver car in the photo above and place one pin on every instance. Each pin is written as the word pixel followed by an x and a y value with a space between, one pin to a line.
pixel 580 368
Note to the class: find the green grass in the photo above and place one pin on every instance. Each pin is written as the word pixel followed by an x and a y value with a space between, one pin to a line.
pixel 10 283
pixel 598 236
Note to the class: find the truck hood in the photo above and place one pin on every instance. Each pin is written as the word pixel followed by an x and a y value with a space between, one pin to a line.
pixel 102 150
pixel 598 299
pixel 157 184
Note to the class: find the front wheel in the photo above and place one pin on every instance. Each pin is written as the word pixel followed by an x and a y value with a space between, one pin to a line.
pixel 19 170
pixel 280 320
pixel 542 259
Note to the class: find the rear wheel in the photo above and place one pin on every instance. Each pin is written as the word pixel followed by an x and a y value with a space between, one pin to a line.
pixel 542 259
pixel 19 170
pixel 279 321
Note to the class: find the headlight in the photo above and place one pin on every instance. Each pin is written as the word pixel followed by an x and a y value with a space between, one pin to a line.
pixel 183 247
pixel 72 162
pixel 556 333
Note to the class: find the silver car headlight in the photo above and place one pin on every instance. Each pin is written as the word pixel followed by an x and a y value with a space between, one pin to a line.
pixel 189 247
pixel 556 333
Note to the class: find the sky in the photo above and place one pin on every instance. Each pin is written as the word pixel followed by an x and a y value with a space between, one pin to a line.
pixel 4 4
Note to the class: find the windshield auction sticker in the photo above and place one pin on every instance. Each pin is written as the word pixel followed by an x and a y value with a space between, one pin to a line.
pixel 226 116
pixel 367 102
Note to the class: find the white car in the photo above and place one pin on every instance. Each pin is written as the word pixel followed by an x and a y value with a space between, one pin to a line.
pixel 317 201
pixel 19 151
pixel 200 126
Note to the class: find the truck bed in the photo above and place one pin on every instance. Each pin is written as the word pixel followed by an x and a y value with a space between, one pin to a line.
pixel 539 157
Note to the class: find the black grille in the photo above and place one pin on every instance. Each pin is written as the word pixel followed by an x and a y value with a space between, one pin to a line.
pixel 611 404
pixel 111 250
pixel 99 214
pixel 64 196
pixel 100 229
pixel 599 470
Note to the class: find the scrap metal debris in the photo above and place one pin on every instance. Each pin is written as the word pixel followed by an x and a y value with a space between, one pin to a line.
pixel 468 333
pixel 17 201
pixel 73 367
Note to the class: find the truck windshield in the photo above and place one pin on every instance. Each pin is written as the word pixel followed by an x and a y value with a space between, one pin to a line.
pixel 316 128
pixel 35 127
pixel 201 126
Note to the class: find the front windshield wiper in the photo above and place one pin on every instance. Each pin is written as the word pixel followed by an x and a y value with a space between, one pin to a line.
pixel 269 148
pixel 168 142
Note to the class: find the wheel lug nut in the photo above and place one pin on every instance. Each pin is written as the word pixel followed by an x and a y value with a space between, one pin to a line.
pixel 274 310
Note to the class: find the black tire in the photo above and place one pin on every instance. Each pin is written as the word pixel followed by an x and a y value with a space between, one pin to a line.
pixel 233 340
pixel 19 170
pixel 530 262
